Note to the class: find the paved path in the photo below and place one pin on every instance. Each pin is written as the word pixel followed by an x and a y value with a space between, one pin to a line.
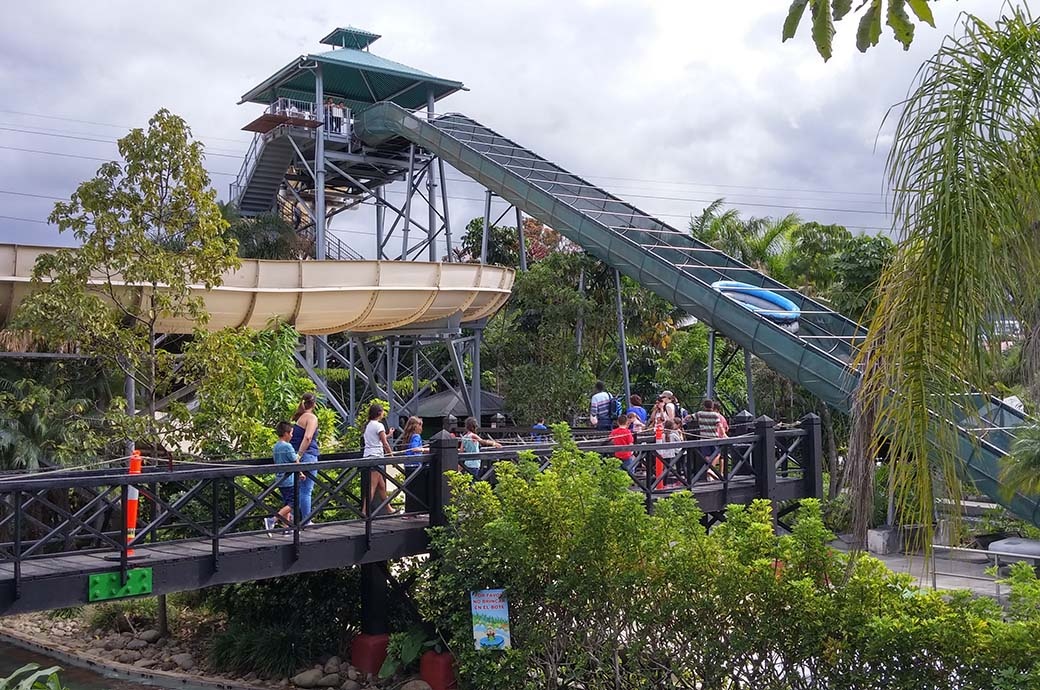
pixel 952 571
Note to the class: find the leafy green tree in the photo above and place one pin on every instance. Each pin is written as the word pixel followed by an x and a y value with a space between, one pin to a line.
pixel 857 268
pixel 812 254
pixel 824 13
pixel 150 231
pixel 503 244
pixel 965 167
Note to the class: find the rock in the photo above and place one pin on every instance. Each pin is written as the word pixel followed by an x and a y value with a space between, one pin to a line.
pixel 350 685
pixel 149 636
pixel 145 663
pixel 308 679
pixel 136 644
pixel 114 643
pixel 332 665
pixel 416 685
pixel 129 657
pixel 122 624
pixel 329 680
pixel 184 661
pixel 97 644
pixel 353 673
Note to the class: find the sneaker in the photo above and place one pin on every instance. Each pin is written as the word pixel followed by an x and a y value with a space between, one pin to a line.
pixel 269 525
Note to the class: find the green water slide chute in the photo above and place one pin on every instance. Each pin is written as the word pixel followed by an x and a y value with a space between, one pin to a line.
pixel 680 269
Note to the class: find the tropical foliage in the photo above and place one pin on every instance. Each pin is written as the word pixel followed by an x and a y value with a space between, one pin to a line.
pixel 33 677
pixel 604 595
pixel 149 220
pixel 822 14
pixel 965 170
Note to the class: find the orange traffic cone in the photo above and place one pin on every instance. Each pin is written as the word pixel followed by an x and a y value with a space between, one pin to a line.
pixel 131 502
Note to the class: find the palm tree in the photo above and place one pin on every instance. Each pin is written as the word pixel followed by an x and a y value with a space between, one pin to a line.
pixel 758 242
pixel 965 174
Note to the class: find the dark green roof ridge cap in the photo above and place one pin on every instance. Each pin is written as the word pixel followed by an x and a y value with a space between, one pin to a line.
pixel 364 38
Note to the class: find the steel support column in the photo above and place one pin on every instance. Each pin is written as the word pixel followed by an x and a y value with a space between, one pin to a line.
pixel 622 345
pixel 487 227
pixel 380 215
pixel 431 188
pixel 521 239
pixel 444 204
pixel 475 396
pixel 320 240
pixel 408 202
pixel 710 392
pixel 130 393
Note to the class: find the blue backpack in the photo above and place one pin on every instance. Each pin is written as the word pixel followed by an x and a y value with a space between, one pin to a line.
pixel 614 408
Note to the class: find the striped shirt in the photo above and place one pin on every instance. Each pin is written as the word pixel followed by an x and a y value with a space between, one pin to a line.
pixel 707 423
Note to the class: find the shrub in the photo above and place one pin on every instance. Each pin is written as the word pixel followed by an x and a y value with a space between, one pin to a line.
pixel 280 623
pixel 604 595
pixel 125 614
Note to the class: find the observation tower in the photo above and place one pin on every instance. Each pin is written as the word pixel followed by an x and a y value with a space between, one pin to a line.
pixel 307 164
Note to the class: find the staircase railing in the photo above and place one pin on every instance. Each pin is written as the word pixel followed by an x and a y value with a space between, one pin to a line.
pixel 335 248
pixel 248 163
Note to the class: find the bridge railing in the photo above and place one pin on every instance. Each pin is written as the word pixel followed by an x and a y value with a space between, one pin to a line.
pixel 224 505
pixel 757 455
pixel 85 512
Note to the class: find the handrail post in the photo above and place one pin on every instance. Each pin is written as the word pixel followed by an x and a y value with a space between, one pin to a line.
pixel 17 544
pixel 764 461
pixel 812 456
pixel 215 523
pixel 296 515
pixel 444 457
pixel 123 531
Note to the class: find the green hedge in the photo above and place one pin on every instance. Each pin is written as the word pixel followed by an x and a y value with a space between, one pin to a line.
pixel 603 595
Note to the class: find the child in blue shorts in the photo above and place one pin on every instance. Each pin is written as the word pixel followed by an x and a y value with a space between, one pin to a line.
pixel 284 454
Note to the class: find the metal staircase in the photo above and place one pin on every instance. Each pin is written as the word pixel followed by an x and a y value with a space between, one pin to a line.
pixel 261 175
pixel 680 269
pixel 259 189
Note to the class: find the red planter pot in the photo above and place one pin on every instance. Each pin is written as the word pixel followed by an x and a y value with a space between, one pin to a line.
pixel 437 669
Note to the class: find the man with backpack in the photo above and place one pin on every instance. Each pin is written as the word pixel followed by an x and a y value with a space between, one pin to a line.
pixel 604 408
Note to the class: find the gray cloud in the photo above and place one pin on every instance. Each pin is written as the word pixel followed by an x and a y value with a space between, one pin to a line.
pixel 701 93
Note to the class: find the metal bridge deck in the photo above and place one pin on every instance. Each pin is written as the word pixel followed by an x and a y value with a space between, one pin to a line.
pixel 61 580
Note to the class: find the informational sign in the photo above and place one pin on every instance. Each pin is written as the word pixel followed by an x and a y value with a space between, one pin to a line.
pixel 490 619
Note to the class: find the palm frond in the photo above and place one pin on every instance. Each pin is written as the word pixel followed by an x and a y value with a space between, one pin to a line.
pixel 1021 469
pixel 965 174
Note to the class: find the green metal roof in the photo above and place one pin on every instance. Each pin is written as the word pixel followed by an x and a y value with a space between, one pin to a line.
pixel 357 76
pixel 350 37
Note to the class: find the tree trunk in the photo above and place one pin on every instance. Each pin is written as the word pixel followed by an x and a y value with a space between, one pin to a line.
pixel 830 452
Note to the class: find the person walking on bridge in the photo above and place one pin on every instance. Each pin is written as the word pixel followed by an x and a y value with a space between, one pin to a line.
pixel 305 442
pixel 600 413
pixel 376 446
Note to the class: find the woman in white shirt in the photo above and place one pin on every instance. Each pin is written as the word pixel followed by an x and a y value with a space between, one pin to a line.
pixel 376 446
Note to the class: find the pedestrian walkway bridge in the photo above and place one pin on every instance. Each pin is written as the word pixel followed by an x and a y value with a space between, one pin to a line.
pixel 63 535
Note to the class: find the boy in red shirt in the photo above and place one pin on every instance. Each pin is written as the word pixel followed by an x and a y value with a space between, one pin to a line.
pixel 621 435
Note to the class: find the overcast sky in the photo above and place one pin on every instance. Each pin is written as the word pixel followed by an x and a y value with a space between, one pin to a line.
pixel 667 104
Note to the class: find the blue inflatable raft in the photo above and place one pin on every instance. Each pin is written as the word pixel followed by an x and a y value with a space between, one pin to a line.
pixel 767 303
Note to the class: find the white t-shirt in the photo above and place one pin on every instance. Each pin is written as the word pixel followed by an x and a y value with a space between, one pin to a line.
pixel 373 446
